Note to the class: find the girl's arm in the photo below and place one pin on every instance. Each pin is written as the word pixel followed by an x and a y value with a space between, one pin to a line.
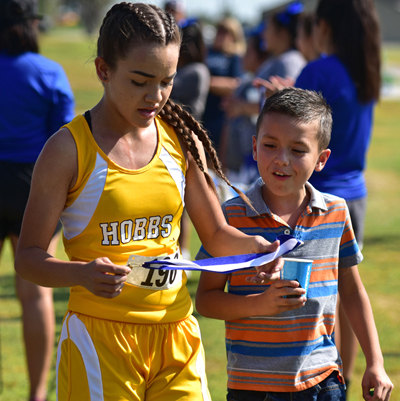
pixel 359 312
pixel 235 107
pixel 219 238
pixel 54 174
pixel 223 86
pixel 203 207
pixel 213 302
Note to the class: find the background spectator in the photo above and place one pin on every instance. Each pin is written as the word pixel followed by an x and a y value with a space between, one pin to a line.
pixel 192 80
pixel 176 8
pixel 280 34
pixel 284 60
pixel 224 63
pixel 37 100
pixel 305 40
pixel 238 153
pixel 191 85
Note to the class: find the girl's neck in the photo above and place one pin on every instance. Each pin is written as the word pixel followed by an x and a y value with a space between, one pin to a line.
pixel 110 121
pixel 330 50
pixel 129 147
pixel 283 42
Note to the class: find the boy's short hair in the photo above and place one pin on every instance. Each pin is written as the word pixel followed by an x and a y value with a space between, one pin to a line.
pixel 305 106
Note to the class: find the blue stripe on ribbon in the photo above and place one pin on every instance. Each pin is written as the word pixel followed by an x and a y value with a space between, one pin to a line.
pixel 228 264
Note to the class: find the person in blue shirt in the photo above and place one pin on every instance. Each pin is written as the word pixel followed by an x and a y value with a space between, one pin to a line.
pixel 348 75
pixel 36 101
pixel 224 60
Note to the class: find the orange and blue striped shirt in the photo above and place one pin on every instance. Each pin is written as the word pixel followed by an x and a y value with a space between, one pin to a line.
pixel 294 350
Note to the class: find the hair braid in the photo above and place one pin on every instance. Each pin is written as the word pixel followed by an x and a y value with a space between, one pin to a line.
pixel 185 125
pixel 170 114
pixel 132 24
pixel 113 10
pixel 151 20
pixel 169 26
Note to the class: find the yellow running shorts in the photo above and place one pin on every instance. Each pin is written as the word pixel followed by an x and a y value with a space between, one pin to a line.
pixel 112 361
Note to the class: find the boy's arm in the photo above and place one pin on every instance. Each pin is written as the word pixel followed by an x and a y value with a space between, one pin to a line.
pixel 359 312
pixel 213 302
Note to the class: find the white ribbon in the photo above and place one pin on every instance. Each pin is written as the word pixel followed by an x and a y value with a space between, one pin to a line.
pixel 228 264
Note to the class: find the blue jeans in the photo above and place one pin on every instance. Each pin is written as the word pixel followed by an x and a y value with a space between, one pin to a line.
pixel 330 389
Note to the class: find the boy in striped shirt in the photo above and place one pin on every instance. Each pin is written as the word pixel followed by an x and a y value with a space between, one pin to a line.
pixel 282 348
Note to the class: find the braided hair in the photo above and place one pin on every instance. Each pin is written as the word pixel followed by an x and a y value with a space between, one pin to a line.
pixel 132 24
pixel 129 24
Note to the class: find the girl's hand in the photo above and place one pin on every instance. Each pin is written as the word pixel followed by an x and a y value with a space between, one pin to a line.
pixel 376 378
pixel 273 301
pixel 103 278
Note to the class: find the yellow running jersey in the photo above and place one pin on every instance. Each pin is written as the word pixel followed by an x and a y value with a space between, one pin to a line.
pixel 117 213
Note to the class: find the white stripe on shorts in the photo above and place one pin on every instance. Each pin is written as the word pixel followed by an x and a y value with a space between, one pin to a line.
pixel 201 369
pixel 76 331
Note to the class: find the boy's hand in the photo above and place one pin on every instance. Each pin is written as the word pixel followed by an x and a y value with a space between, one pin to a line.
pixel 267 272
pixel 376 378
pixel 273 301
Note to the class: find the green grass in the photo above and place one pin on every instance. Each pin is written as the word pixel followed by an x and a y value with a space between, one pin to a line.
pixel 380 270
pixel 391 54
pixel 76 52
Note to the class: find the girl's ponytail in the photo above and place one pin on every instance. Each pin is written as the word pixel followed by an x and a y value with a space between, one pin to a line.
pixel 185 125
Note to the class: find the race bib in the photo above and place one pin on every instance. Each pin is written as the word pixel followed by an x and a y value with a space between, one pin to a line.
pixel 152 279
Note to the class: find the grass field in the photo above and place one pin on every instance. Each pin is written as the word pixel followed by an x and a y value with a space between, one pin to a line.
pixel 380 270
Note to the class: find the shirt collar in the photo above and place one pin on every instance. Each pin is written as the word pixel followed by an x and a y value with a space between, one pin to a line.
pixel 317 199
pixel 255 195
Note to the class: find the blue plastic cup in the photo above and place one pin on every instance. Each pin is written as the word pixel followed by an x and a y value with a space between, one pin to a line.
pixel 299 270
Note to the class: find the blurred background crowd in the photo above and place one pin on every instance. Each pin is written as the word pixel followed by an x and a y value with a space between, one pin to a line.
pixel 226 44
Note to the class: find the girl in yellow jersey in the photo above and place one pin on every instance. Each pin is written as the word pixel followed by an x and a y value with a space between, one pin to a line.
pixel 119 178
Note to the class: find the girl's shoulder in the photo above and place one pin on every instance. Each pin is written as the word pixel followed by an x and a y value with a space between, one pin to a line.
pixel 325 64
pixel 328 71
pixel 170 140
pixel 59 156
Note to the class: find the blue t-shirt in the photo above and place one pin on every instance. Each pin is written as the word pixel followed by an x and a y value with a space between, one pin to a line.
pixel 351 132
pixel 220 65
pixel 36 101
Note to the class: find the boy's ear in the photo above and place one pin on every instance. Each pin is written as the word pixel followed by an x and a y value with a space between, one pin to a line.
pixel 322 159
pixel 254 147
pixel 102 69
